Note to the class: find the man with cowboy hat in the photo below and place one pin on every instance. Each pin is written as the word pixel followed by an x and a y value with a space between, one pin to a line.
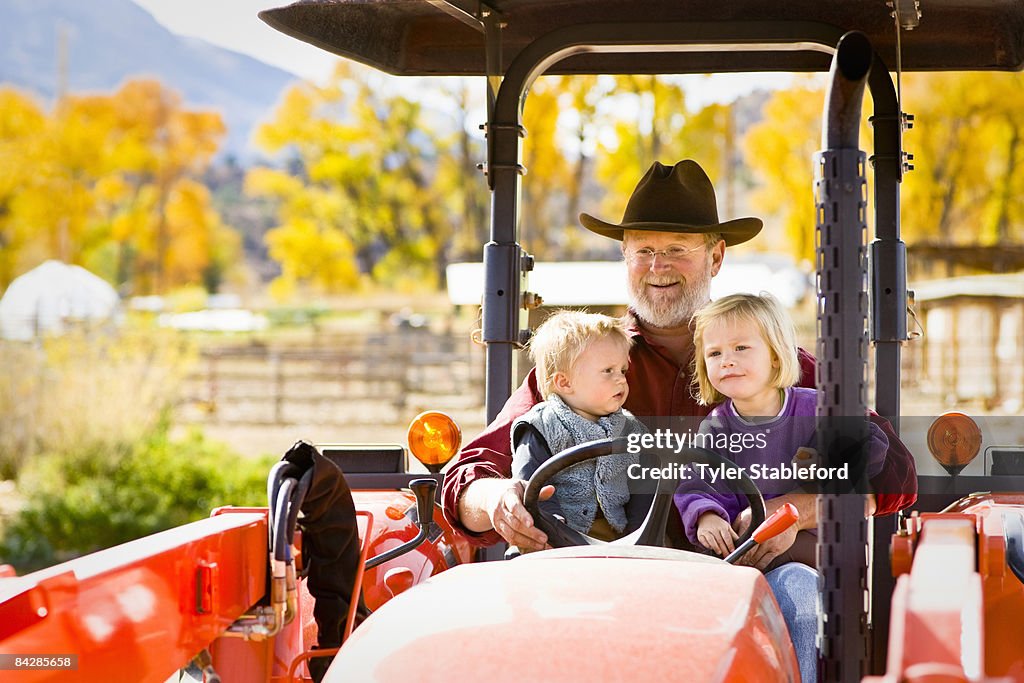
pixel 673 244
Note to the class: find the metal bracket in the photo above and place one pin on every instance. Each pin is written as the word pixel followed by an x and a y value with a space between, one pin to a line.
pixel 906 120
pixel 906 123
pixel 488 127
pixel 472 19
pixel 518 168
pixel 904 158
pixel 907 12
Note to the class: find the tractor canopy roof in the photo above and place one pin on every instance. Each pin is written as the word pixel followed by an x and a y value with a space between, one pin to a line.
pixel 446 37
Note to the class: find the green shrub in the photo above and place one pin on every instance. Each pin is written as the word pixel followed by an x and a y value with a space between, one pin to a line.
pixel 82 501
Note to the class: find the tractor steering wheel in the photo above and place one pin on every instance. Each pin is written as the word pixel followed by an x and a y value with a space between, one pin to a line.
pixel 652 531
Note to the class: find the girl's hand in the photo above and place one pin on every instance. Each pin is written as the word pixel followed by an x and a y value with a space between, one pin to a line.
pixel 716 534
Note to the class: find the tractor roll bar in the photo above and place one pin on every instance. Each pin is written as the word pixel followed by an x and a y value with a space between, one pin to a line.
pixel 840 192
pixel 506 264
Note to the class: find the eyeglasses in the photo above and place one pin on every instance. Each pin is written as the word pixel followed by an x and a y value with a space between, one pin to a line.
pixel 673 254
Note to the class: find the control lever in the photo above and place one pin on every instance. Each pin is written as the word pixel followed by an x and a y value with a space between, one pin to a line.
pixel 424 490
pixel 780 520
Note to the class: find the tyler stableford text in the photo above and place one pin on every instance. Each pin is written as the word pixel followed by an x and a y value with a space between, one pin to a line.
pixel 723 472
pixel 666 440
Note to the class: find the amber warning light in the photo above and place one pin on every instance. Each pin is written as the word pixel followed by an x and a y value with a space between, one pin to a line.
pixel 434 439
pixel 954 440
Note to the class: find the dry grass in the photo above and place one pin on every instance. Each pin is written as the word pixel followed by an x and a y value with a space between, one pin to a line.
pixel 85 390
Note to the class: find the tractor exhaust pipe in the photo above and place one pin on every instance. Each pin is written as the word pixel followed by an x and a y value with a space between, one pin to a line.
pixel 841 219
pixel 847 78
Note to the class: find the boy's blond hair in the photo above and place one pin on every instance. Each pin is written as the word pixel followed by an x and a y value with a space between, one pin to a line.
pixel 776 328
pixel 559 341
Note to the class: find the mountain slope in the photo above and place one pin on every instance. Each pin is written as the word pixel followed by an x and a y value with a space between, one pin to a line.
pixel 109 41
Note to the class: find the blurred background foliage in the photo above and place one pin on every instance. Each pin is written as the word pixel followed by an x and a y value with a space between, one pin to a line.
pixel 365 190
pixel 94 496
pixel 374 189
pixel 370 189
pixel 85 432
pixel 87 391
pixel 112 183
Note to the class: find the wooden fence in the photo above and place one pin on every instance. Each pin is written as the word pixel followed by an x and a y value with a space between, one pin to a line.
pixel 347 380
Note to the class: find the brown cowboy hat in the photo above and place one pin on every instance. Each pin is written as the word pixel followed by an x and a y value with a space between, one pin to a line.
pixel 676 199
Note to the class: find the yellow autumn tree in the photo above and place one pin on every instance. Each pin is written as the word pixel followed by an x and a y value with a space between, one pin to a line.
pixel 201 248
pixel 968 144
pixel 663 129
pixel 564 147
pixel 22 122
pixel 968 182
pixel 547 169
pixel 309 255
pixel 57 202
pixel 459 182
pixel 360 187
pixel 584 94
pixel 659 112
pixel 159 149
pixel 561 118
pixel 779 151
pixel 110 182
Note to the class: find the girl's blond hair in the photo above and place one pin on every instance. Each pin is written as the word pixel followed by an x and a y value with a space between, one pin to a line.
pixel 559 341
pixel 776 328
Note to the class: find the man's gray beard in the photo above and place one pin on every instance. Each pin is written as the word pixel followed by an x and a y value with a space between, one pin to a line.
pixel 675 312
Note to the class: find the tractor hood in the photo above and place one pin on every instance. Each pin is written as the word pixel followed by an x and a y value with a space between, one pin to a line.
pixel 643 614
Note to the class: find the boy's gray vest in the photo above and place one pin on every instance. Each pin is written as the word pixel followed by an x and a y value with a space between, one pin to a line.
pixel 603 478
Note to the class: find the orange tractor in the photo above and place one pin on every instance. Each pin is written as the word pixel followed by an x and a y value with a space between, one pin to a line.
pixel 370 582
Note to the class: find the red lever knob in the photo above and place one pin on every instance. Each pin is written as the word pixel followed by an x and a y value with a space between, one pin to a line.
pixel 780 520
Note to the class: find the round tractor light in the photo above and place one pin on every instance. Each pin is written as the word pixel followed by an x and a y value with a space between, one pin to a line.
pixel 954 440
pixel 434 439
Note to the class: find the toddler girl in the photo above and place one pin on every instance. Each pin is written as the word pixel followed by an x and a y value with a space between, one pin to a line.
pixel 745 357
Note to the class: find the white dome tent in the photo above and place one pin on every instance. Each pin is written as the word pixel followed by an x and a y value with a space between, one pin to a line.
pixel 49 297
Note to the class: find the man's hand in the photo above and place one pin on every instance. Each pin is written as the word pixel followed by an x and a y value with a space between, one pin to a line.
pixel 716 534
pixel 494 503
pixel 511 520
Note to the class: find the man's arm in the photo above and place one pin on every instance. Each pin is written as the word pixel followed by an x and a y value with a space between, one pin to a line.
pixel 478 485
pixel 475 500
pixel 895 486
pixel 806 504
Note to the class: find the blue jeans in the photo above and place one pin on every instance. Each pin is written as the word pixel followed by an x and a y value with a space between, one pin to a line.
pixel 795 586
